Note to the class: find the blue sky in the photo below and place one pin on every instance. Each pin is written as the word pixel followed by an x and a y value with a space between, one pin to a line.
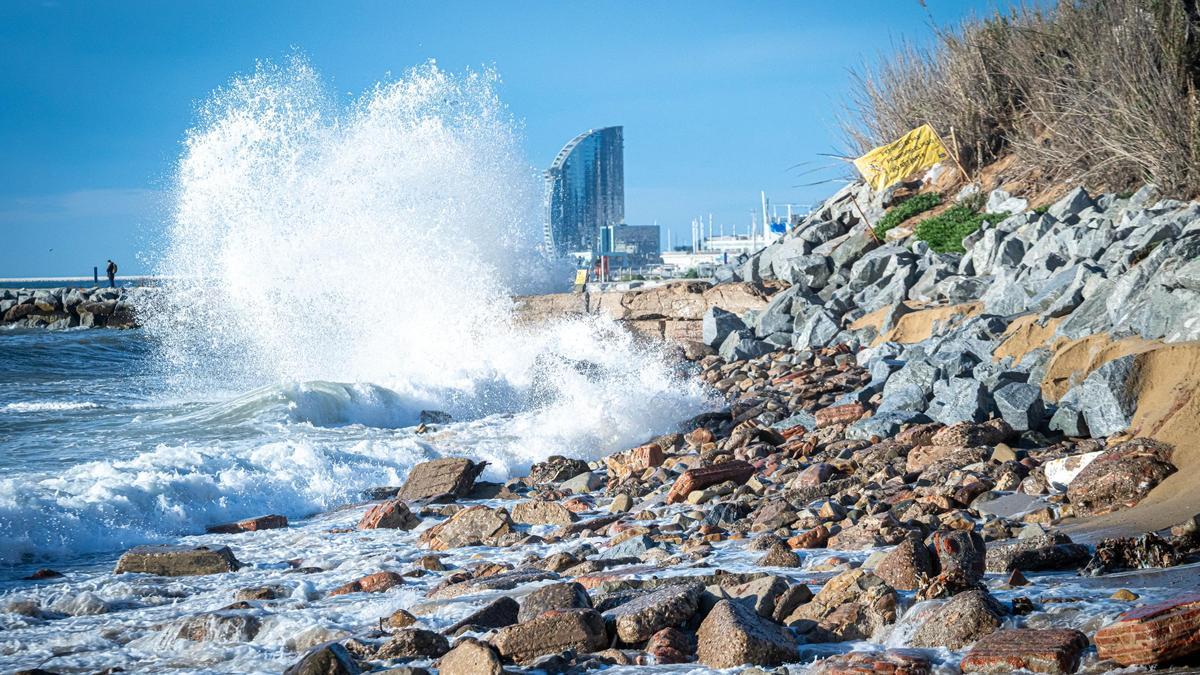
pixel 718 99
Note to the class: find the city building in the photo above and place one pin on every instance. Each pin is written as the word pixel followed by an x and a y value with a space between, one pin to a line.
pixel 585 191
pixel 636 245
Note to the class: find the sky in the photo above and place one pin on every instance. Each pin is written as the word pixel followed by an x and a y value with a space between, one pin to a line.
pixel 718 100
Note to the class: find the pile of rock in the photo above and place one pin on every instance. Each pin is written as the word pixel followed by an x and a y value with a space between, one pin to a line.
pixel 786 470
pixel 69 307
pixel 1120 266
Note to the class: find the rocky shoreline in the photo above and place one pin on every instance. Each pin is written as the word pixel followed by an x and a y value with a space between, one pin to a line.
pixel 906 477
pixel 69 307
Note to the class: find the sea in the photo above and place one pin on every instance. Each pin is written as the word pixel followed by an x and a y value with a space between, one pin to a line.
pixel 329 270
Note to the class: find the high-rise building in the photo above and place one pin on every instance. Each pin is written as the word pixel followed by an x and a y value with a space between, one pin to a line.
pixel 636 245
pixel 585 188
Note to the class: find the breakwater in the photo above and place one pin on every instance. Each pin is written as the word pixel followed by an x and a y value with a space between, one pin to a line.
pixel 70 307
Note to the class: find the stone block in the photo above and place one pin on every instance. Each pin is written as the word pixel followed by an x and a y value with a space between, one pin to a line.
pixel 1053 650
pixel 449 475
pixel 177 561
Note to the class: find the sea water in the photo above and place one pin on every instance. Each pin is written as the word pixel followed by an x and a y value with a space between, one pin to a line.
pixel 333 268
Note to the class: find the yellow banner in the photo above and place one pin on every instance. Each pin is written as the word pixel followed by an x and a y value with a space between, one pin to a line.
pixel 915 151
pixel 581 277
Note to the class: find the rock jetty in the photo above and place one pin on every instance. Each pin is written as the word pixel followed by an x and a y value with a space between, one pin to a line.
pixel 70 307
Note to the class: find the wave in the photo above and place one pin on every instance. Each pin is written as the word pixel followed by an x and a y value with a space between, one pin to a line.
pixel 340 267
pixel 46 406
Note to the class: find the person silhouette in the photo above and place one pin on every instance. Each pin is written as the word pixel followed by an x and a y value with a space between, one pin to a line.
pixel 112 274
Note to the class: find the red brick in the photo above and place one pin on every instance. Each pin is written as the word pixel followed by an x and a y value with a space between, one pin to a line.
pixel 1038 651
pixel 698 479
pixel 249 525
pixel 839 414
pixel 1153 634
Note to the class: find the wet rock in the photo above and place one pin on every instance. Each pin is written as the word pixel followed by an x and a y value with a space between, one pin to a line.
pixel 501 581
pixel 414 643
pixel 249 525
pixel 789 600
pixel 851 606
pixel 327 659
pixel 780 556
pixel 177 561
pixel 1035 554
pixel 733 634
pixel 817 537
pixel 670 645
pixel 470 657
pixel 759 594
pixel 960 551
pixel 961 620
pixel 501 612
pixel 671 606
pixel 472 526
pixel 540 512
pixel 220 626
pixel 888 662
pixel 565 595
pixel 269 592
pixel 1120 477
pixel 1153 634
pixel 579 629
pixel 401 619
pixel 633 462
pixel 1055 651
pixel 392 514
pixel 44 574
pixel 906 564
pixel 453 476
pixel 583 483
pixel 556 469
pixel 1125 553
pixel 697 479
pixel 372 583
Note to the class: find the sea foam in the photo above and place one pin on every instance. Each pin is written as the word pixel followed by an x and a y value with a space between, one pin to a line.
pixel 334 268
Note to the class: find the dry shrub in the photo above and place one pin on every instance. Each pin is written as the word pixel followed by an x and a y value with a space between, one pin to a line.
pixel 1098 91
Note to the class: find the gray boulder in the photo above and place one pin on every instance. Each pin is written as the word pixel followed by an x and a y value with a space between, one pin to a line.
pixel 818 329
pixel 741 345
pixel 962 399
pixel 1020 404
pixel 883 424
pixel 717 324
pixel 1107 398
pixel 1071 205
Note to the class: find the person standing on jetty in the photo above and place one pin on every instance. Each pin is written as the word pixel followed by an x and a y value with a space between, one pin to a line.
pixel 112 274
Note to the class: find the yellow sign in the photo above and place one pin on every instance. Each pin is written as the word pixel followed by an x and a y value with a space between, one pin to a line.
pixel 915 151
pixel 581 277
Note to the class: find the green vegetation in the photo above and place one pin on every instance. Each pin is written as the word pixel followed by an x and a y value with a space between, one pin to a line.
pixel 945 232
pixel 905 210
pixel 1098 92
pixel 691 274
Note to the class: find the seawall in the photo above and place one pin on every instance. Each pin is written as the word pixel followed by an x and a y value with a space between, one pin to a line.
pixel 672 311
